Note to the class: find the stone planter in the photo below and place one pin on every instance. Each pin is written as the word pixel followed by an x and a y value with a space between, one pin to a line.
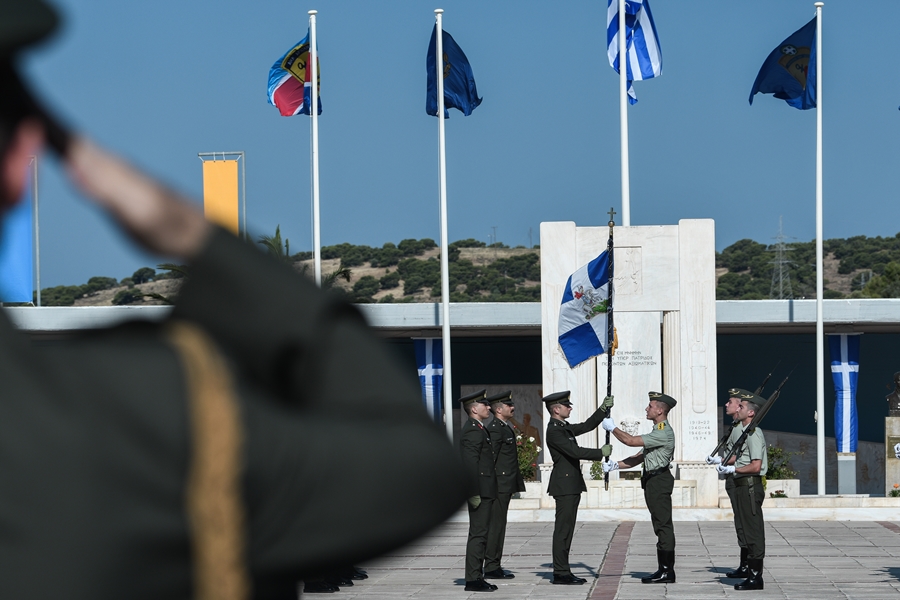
pixel 532 490
pixel 791 487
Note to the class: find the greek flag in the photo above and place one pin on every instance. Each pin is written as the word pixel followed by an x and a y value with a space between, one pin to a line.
pixel 844 351
pixel 430 358
pixel 641 42
pixel 583 330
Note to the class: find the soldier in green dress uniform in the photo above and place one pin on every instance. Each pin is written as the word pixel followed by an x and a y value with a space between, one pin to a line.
pixel 657 480
pixel 749 467
pixel 731 408
pixel 478 461
pixel 190 458
pixel 566 480
pixel 509 480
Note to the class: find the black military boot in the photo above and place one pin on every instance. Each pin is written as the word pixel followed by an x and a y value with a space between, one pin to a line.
pixel 666 572
pixel 742 571
pixel 755 580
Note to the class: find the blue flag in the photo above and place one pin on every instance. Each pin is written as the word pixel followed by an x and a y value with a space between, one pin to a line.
pixel 844 351
pixel 459 82
pixel 790 70
pixel 17 252
pixel 430 359
pixel 642 51
pixel 583 332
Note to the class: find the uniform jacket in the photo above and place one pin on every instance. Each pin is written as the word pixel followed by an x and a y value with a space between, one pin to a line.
pixel 478 459
pixel 94 442
pixel 506 457
pixel 566 477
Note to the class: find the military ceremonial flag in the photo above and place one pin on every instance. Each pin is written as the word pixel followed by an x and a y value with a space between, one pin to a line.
pixel 789 72
pixel 430 359
pixel 644 56
pixel 459 81
pixel 290 82
pixel 583 323
pixel 844 351
pixel 17 252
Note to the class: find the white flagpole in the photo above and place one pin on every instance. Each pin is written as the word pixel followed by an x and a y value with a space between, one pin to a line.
pixel 820 329
pixel 445 260
pixel 314 115
pixel 623 117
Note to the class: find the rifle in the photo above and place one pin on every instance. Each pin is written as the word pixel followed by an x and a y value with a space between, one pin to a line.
pixel 725 437
pixel 754 423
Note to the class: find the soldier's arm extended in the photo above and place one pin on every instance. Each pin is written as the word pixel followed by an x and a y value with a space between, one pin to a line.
pixel 632 461
pixel 557 438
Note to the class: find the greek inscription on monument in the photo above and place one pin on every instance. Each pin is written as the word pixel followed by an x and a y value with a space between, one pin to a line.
pixel 634 358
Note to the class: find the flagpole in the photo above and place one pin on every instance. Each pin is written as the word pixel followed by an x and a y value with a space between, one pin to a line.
pixel 623 117
pixel 820 329
pixel 36 220
pixel 445 260
pixel 314 115
pixel 610 327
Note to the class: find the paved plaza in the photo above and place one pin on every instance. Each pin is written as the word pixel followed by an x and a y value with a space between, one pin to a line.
pixel 805 559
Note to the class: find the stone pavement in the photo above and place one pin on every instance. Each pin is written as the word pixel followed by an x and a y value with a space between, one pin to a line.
pixel 805 560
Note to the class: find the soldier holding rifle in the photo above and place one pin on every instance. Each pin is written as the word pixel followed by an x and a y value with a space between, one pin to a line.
pixel 657 480
pixel 748 463
pixel 734 432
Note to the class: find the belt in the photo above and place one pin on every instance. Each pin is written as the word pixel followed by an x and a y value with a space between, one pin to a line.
pixel 654 472
pixel 749 480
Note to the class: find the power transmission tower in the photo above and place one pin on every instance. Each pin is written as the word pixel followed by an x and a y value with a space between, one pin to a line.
pixel 781 274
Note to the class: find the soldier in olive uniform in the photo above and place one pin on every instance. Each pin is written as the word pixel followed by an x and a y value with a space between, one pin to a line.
pixel 217 476
pixel 731 409
pixel 566 480
pixel 749 466
pixel 657 479
pixel 509 480
pixel 478 461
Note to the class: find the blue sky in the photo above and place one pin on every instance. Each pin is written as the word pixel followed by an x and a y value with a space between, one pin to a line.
pixel 162 81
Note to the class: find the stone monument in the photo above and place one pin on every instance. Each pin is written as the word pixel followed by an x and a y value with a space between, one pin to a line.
pixel 892 438
pixel 665 316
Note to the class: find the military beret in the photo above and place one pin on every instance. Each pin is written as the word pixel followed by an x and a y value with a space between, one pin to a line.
pixel 557 398
pixel 479 396
pixel 665 399
pixel 24 22
pixel 504 397
pixel 742 395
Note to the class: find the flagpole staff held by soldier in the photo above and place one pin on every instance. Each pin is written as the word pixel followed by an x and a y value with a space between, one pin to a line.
pixel 610 329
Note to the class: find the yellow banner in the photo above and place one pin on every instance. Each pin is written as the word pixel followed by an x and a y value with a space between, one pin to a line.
pixel 220 193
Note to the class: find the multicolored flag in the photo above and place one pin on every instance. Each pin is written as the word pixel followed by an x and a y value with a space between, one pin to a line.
pixel 583 315
pixel 459 81
pixel 642 51
pixel 289 81
pixel 789 72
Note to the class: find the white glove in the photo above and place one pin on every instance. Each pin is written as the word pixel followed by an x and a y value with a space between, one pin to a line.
pixel 612 465
pixel 897 450
pixel 725 470
pixel 608 424
pixel 714 460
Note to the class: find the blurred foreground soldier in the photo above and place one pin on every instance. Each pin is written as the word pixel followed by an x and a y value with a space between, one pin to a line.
pixel 478 461
pixel 566 479
pixel 749 466
pixel 731 410
pixel 216 478
pixel 509 480
pixel 656 480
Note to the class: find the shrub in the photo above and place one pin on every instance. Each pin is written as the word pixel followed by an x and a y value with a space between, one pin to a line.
pixel 779 463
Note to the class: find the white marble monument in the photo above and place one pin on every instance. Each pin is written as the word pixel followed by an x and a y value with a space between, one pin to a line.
pixel 665 315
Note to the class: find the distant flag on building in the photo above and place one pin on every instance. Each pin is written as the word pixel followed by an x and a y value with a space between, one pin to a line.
pixel 459 82
pixel 641 42
pixel 17 252
pixel 583 331
pixel 844 351
pixel 789 72
pixel 289 81
pixel 430 359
